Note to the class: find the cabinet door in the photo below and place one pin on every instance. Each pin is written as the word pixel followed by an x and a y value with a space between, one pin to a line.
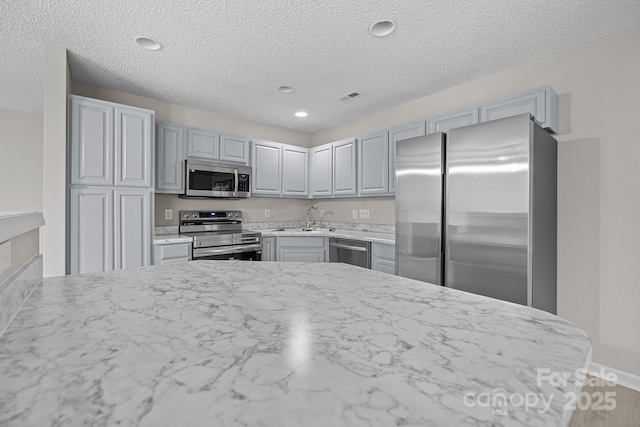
pixel 396 134
pixel 446 122
pixel 541 103
pixel 373 164
pixel 234 149
pixel 170 154
pixel 203 144
pixel 132 243
pixel 383 257
pixel 91 230
pixel 268 249
pixel 302 249
pixel 171 253
pixel 295 176
pixel 344 168
pixel 321 170
pixel 267 168
pixel 133 147
pixel 92 144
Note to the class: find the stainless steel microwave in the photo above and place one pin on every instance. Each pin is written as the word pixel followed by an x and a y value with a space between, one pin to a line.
pixel 221 180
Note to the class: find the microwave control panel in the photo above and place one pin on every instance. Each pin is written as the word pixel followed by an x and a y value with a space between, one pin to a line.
pixel 243 182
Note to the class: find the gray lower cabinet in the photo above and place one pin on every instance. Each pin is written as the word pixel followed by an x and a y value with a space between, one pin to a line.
pixel 132 227
pixel 383 257
pixel 109 229
pixel 91 230
pixel 168 253
pixel 269 249
pixel 302 249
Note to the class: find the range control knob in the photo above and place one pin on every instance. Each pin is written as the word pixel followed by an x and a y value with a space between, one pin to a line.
pixel 186 215
pixel 194 215
pixel 236 215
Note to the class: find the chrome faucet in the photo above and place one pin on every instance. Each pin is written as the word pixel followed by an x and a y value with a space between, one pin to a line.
pixel 308 224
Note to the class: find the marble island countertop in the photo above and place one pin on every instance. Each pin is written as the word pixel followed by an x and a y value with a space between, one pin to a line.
pixel 231 343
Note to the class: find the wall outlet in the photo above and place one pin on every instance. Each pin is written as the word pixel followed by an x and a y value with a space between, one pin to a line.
pixel 354 213
pixel 267 213
pixel 168 214
pixel 5 256
pixel 364 213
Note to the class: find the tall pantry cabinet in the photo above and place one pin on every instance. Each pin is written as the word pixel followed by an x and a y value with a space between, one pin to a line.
pixel 110 186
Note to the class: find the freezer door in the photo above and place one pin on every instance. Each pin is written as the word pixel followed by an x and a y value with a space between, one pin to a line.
pixel 487 210
pixel 419 175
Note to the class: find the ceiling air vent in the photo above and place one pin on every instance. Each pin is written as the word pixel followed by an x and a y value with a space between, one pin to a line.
pixel 349 96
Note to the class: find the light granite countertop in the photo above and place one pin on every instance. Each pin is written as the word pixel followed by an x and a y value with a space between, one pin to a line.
pixel 369 236
pixel 232 343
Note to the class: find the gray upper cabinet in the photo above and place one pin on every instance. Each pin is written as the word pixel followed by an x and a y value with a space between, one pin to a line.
pixel 344 168
pixel 446 122
pixel 234 149
pixel 111 144
pixel 396 134
pixel 373 164
pixel 170 155
pixel 321 168
pixel 91 133
pixel 134 148
pixel 267 168
pixel 541 103
pixel 203 144
pixel 295 171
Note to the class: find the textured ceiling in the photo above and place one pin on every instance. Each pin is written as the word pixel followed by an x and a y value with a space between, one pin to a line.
pixel 230 56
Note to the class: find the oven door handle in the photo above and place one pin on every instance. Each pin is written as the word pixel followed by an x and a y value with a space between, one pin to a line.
pixel 200 252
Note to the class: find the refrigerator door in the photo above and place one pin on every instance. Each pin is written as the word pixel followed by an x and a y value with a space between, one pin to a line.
pixel 419 172
pixel 487 212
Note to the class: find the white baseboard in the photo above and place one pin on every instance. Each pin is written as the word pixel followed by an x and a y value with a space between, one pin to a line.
pixel 625 379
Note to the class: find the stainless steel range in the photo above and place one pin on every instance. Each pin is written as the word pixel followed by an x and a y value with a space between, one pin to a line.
pixel 218 235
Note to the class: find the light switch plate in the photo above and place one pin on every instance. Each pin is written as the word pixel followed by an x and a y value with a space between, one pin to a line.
pixel 267 213
pixel 168 214
pixel 354 213
pixel 5 256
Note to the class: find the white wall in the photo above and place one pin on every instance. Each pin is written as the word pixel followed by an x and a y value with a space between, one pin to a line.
pixel 57 81
pixel 598 183
pixel 20 161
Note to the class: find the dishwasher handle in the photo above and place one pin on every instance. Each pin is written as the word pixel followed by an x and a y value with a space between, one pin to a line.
pixel 349 247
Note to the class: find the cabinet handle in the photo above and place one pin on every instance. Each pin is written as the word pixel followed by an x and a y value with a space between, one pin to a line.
pixel 351 248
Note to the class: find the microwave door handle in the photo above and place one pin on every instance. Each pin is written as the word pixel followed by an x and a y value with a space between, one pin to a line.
pixel 235 191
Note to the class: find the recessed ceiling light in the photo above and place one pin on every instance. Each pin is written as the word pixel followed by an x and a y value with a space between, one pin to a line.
pixel 285 89
pixel 301 114
pixel 148 43
pixel 382 28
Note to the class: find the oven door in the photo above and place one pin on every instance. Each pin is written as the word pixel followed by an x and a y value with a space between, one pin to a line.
pixel 240 252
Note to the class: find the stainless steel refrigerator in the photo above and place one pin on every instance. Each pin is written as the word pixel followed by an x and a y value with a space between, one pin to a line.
pixel 476 210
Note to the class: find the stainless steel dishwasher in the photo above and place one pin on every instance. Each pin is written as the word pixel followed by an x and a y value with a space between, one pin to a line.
pixel 354 252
